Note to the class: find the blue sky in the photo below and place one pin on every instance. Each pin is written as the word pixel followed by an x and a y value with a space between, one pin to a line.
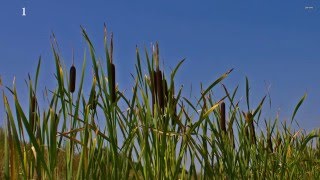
pixel 274 42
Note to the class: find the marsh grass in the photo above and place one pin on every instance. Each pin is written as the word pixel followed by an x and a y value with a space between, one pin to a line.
pixel 160 135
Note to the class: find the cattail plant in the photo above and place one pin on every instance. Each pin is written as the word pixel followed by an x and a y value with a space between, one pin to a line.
pixel 72 81
pixel 158 77
pixel 112 73
pixel 130 144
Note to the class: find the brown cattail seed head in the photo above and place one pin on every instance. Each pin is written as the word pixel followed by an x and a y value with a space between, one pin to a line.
pixel 223 117
pixel 72 82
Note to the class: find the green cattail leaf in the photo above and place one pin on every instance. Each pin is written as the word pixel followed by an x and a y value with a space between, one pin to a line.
pixel 298 106
pixel 37 74
pixel 173 74
pixel 214 84
pixel 11 129
pixel 32 137
pixel 206 114
pixel 259 107
pixel 308 139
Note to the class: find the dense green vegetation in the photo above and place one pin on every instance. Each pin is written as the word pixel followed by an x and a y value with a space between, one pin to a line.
pixel 160 135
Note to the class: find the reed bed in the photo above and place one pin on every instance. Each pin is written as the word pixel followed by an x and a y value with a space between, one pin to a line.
pixel 160 135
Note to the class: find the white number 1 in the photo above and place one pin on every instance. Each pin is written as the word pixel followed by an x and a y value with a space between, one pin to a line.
pixel 24 11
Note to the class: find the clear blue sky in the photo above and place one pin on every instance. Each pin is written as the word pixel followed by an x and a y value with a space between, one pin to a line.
pixel 273 41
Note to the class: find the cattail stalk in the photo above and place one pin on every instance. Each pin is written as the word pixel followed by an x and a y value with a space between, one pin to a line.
pixel 113 73
pixel 113 83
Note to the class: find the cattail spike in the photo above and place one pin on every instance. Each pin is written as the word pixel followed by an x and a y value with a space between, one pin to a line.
pixel 223 117
pixel 72 81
